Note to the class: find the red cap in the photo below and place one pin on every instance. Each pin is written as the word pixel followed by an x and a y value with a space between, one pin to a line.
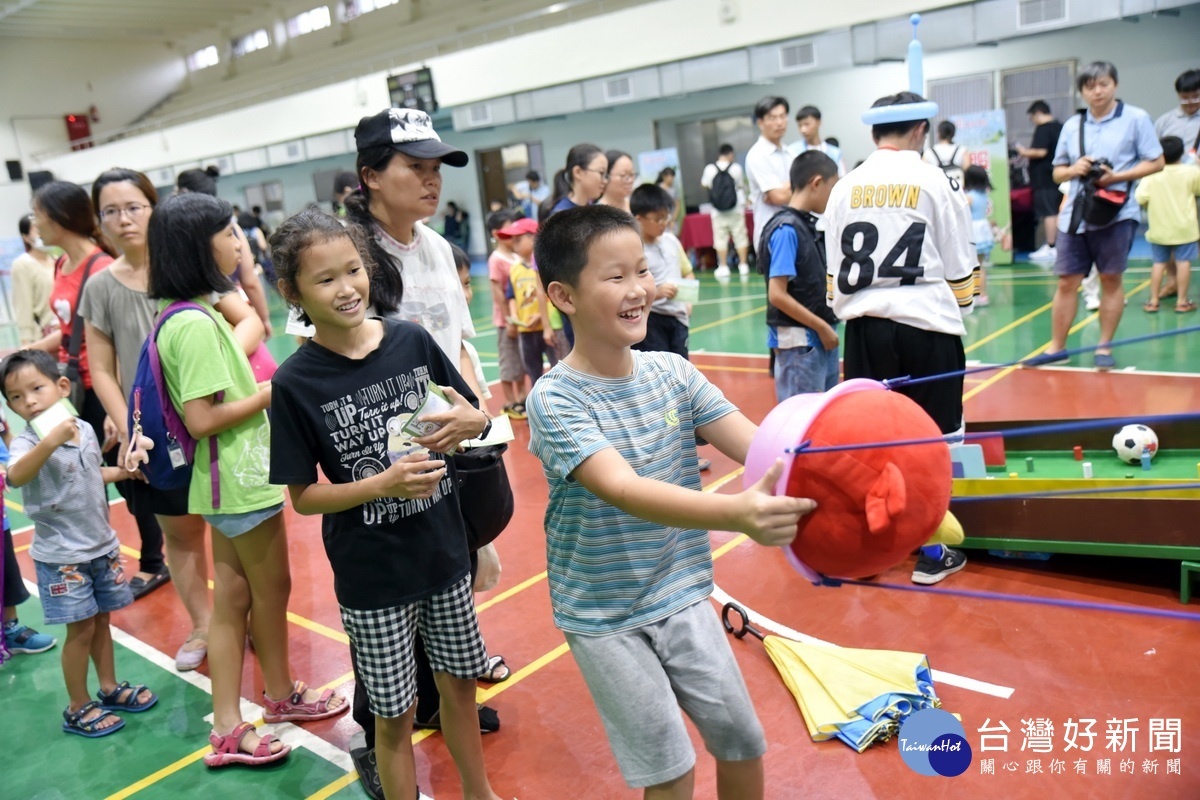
pixel 521 226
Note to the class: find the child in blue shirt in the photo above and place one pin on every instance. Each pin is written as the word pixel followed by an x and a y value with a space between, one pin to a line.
pixel 977 185
pixel 629 559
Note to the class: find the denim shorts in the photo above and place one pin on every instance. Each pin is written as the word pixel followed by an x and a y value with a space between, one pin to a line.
pixel 800 370
pixel 1161 253
pixel 75 592
pixel 1107 248
pixel 233 525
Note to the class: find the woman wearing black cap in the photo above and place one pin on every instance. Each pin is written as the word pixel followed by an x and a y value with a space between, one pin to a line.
pixel 400 159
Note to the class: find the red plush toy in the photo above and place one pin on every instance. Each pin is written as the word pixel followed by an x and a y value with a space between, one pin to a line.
pixel 874 505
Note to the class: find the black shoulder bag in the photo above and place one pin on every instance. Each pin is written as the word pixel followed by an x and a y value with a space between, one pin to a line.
pixel 1095 205
pixel 485 495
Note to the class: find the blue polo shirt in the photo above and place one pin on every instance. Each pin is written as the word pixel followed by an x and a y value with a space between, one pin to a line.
pixel 1125 137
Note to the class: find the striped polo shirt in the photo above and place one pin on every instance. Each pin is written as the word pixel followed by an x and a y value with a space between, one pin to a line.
pixel 608 570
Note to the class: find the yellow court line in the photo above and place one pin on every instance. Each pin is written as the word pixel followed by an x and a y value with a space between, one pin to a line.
pixel 1074 329
pixel 711 368
pixel 1015 323
pixel 744 314
pixel 324 793
pixel 507 593
pixel 22 548
pixel 14 505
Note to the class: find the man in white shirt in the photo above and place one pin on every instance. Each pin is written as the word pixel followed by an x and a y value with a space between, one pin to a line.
pixel 808 122
pixel 728 221
pixel 768 163
pixel 900 260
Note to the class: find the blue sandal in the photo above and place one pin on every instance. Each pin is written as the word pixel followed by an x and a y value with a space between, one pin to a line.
pixel 111 701
pixel 73 722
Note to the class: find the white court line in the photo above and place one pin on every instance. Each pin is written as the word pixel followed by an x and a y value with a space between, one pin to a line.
pixel 285 731
pixel 949 678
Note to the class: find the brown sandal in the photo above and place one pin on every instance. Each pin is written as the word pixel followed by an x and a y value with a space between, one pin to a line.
pixel 1151 307
pixel 1184 306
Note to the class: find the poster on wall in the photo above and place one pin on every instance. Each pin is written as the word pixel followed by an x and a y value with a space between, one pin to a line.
pixel 652 162
pixel 983 134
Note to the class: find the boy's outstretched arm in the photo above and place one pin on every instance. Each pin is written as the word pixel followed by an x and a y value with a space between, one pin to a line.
pixel 731 434
pixel 767 519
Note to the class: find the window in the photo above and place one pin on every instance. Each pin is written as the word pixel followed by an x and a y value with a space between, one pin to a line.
pixel 965 95
pixel 258 40
pixel 1054 83
pixel 205 57
pixel 356 8
pixel 308 22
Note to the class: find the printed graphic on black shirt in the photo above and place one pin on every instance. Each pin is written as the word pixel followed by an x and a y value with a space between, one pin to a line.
pixel 366 429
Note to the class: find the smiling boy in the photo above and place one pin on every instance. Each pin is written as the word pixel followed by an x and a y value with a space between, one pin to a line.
pixel 629 559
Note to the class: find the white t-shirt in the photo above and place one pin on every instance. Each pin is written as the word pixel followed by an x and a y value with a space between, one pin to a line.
pixel 954 156
pixel 907 257
pixel 433 296
pixel 739 179
pixel 768 167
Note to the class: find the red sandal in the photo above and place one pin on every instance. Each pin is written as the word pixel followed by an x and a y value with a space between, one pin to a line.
pixel 227 749
pixel 294 709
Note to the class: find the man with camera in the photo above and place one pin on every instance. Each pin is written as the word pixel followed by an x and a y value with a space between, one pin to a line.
pixel 1102 150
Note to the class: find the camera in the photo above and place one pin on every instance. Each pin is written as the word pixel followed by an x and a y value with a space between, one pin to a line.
pixel 1097 169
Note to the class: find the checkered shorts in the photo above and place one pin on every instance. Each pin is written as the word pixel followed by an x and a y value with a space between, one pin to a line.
pixel 509 351
pixel 383 639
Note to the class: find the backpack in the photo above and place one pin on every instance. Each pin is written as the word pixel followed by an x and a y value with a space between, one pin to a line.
pixel 723 192
pixel 151 414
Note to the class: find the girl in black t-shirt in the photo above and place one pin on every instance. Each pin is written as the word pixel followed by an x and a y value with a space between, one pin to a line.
pixel 391 527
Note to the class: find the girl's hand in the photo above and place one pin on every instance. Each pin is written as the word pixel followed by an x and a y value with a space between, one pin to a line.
pixel 264 389
pixel 548 337
pixel 111 434
pixel 460 423
pixel 668 290
pixel 414 477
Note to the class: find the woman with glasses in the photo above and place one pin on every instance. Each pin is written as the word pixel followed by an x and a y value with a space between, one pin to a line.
pixel 621 179
pixel 119 316
pixel 581 182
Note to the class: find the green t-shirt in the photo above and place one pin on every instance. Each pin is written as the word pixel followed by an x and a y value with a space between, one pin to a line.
pixel 199 359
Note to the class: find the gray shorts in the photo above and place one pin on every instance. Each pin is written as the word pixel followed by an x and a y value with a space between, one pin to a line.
pixel 640 679
pixel 512 368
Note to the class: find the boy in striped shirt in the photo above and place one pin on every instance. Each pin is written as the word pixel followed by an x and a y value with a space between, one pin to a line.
pixel 629 560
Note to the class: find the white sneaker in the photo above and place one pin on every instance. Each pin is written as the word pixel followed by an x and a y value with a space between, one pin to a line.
pixel 1043 253
pixel 721 273
pixel 1091 302
pixel 743 269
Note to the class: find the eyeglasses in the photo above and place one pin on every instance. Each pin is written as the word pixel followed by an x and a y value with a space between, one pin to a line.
pixel 658 219
pixel 603 175
pixel 625 177
pixel 133 211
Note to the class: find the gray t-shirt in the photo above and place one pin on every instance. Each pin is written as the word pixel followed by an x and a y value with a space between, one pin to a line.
pixel 122 314
pixel 66 500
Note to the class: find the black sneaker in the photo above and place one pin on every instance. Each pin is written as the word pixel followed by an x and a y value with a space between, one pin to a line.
pixel 931 570
pixel 489 720
pixel 368 771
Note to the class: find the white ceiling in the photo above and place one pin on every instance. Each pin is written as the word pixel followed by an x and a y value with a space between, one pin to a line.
pixel 116 20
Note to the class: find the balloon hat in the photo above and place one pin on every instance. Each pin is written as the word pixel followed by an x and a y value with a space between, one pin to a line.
pixel 907 112
pixel 875 505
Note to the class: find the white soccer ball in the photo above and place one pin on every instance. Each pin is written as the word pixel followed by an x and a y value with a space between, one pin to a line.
pixel 1133 440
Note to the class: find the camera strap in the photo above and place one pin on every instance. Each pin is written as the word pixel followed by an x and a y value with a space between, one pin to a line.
pixel 1087 188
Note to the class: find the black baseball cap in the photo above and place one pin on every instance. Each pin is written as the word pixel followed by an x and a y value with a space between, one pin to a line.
pixel 408 131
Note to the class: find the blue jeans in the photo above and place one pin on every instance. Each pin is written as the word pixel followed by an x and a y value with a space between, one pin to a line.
pixel 75 592
pixel 799 370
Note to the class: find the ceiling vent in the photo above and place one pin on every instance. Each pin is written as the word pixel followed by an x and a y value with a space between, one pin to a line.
pixel 1034 13
pixel 480 114
pixel 795 57
pixel 618 89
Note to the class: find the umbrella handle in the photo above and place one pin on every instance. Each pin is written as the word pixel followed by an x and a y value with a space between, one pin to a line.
pixel 746 627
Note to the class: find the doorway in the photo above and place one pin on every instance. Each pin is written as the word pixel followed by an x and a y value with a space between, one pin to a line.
pixel 502 168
